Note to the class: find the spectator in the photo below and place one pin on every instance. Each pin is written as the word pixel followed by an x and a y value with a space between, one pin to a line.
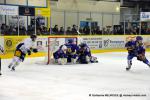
pixel 55 29
pixel 61 31
pixel 104 31
pixel 81 30
pixel 3 27
pixel 68 31
pixel 22 30
pixel 98 31
pixel 74 29
pixel 86 30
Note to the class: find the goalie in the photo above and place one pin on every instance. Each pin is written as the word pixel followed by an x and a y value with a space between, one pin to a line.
pixel 84 54
pixel 72 49
pixel 136 49
pixel 60 55
pixel 23 48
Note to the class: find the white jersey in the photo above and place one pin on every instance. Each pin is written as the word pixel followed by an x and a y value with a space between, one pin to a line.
pixel 27 45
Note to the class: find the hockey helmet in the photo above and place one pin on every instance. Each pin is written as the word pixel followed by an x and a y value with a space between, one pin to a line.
pixel 138 38
pixel 70 40
pixel 33 37
pixel 82 45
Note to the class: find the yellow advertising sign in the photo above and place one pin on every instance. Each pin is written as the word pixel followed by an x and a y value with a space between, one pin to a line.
pixel 45 12
pixel 10 43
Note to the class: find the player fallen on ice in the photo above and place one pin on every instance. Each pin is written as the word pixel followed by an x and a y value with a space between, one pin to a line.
pixel 23 48
pixel 84 55
pixel 136 49
pixel 72 49
pixel 60 55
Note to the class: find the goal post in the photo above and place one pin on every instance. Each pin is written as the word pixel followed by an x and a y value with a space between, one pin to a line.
pixel 54 42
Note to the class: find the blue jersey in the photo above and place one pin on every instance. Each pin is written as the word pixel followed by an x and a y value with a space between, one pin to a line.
pixel 71 48
pixel 134 49
pixel 141 50
pixel 85 51
pixel 59 54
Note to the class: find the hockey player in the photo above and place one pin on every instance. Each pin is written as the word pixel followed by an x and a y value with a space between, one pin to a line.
pixel 71 51
pixel 60 55
pixel 136 49
pixel 23 48
pixel 84 54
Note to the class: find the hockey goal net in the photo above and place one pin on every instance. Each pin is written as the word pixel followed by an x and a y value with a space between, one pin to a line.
pixel 53 44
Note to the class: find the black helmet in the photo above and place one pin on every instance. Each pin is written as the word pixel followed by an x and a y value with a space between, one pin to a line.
pixel 70 40
pixel 139 38
pixel 33 36
pixel 82 45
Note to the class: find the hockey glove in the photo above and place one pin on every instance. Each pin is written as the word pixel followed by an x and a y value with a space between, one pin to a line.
pixel 141 57
pixel 35 50
pixel 29 52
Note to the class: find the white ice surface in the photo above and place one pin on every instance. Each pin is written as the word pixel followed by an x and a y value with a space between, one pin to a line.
pixel 32 81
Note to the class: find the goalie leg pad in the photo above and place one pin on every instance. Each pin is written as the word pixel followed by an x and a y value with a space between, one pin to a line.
pixel 74 60
pixel 62 61
pixel 87 59
pixel 83 59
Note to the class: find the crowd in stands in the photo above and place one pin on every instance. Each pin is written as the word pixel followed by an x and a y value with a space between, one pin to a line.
pixel 13 30
pixel 56 30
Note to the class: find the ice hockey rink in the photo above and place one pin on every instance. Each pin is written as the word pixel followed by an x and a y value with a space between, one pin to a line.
pixel 32 81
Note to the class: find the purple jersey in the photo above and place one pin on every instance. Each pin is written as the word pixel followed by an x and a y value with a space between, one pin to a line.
pixel 85 51
pixel 133 49
pixel 71 48
pixel 59 54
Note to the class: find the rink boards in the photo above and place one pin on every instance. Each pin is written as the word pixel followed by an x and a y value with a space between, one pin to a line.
pixel 97 44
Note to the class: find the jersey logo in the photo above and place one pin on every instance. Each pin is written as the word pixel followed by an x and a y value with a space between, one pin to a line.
pixel 69 50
